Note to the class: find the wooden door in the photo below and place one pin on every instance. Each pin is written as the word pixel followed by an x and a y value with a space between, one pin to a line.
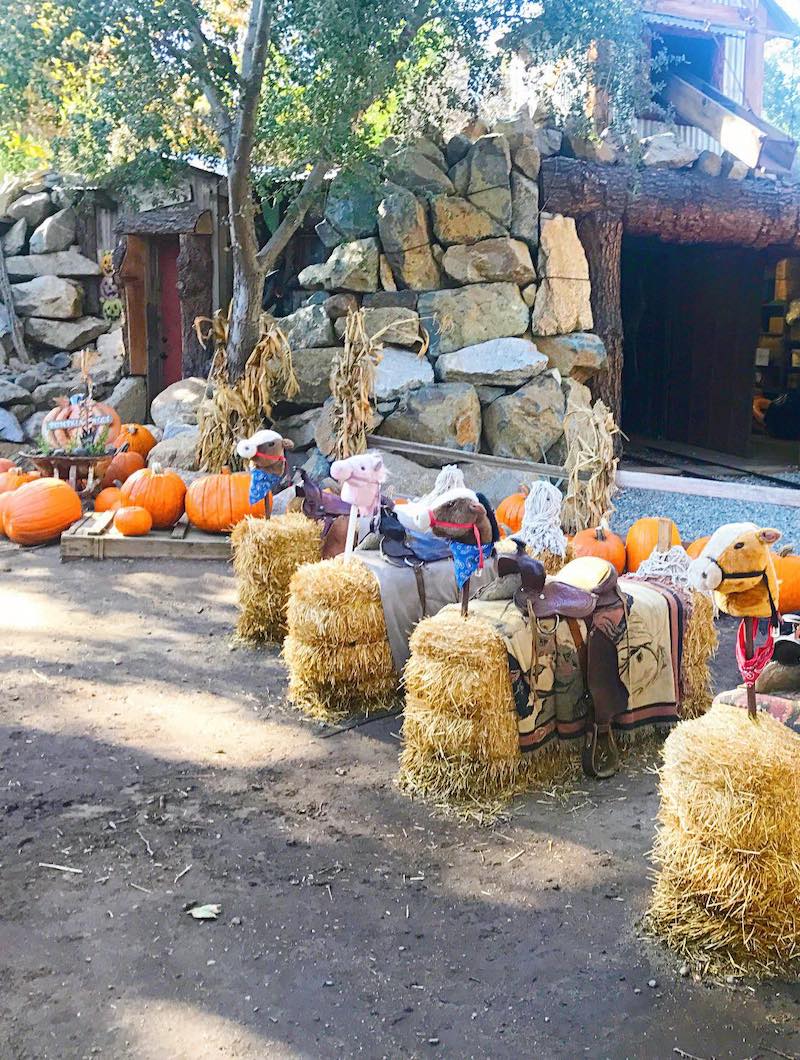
pixel 169 311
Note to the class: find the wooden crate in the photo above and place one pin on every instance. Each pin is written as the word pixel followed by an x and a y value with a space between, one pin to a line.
pixel 94 537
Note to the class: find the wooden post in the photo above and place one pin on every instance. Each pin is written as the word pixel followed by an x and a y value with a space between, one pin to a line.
pixel 195 283
pixel 664 542
pixel 748 654
pixel 601 236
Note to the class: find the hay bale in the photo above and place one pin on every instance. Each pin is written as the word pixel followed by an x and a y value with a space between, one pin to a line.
pixel 460 736
pixel 337 650
pixel 727 896
pixel 266 553
pixel 700 643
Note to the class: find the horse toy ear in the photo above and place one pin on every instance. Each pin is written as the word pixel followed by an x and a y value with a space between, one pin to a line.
pixel 287 443
pixel 768 535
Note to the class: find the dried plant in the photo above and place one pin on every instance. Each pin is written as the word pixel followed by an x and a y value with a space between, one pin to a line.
pixel 591 467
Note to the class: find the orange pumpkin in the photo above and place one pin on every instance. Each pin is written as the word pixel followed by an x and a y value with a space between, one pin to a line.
pixel 133 521
pixel 161 492
pixel 4 497
pixel 39 511
pixel 788 571
pixel 5 464
pixel 697 546
pixel 510 510
pixel 643 537
pixel 216 503
pixel 138 438
pixel 108 500
pixel 16 477
pixel 602 543
pixel 122 467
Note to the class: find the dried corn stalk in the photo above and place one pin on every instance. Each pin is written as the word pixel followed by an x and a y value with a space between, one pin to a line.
pixel 237 410
pixel 353 387
pixel 589 433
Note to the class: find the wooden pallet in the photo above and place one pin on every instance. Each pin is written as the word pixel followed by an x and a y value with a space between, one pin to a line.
pixel 94 537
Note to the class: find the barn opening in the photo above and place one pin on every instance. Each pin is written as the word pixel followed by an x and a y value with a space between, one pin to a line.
pixel 706 332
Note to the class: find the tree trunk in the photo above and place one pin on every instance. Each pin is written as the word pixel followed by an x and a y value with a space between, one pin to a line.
pixel 601 236
pixel 194 290
pixel 248 274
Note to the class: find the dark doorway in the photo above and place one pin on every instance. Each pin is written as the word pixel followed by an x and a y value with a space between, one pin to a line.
pixel 694 53
pixel 691 317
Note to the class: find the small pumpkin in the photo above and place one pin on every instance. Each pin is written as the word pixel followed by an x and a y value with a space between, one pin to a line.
pixel 16 477
pixel 787 567
pixel 216 503
pixel 600 542
pixel 122 467
pixel 133 521
pixel 138 439
pixel 510 510
pixel 108 500
pixel 5 464
pixel 39 511
pixel 696 547
pixel 642 540
pixel 160 491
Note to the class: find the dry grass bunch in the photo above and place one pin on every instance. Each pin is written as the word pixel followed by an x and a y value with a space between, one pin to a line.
pixel 589 434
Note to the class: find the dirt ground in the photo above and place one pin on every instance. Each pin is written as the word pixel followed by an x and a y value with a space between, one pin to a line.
pixel 141 747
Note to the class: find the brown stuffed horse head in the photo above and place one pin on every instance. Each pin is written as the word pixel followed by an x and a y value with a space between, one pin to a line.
pixel 454 515
pixel 737 565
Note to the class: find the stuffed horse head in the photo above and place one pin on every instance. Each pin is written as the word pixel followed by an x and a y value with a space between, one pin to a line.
pixel 737 565
pixel 455 515
pixel 266 450
pixel 361 478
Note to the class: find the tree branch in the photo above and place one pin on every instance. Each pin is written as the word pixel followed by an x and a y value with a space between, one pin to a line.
pixel 298 208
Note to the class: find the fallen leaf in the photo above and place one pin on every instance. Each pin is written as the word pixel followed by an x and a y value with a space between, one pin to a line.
pixel 205 912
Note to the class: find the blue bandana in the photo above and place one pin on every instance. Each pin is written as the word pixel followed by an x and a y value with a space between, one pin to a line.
pixel 467 559
pixel 262 483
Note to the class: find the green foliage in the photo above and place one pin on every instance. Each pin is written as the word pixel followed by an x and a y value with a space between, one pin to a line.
pixel 782 86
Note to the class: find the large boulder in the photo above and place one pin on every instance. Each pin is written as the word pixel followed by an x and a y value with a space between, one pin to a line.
pixel 178 452
pixel 129 398
pixel 468 315
pixel 54 233
pixel 518 129
pixel 400 371
pixel 490 261
pixel 351 208
pixel 324 434
pixel 563 297
pixel 580 354
pixel 312 366
pixel 11 187
pixel 10 427
pixel 308 327
pixel 63 263
pixel 46 394
pixel 547 141
pixel 528 422
pixel 32 426
pixel 406 238
pixel 667 151
pixel 34 375
pixel 351 267
pixel 527 159
pixel 412 169
pixel 392 326
pixel 299 428
pixel 48 296
pixel 391 300
pixel 14 239
pixel 179 401
pixel 524 208
pixel 109 364
pixel 487 183
pixel 456 220
pixel 447 414
pixel 496 363
pixel 12 394
pixel 65 334
pixel 406 478
pixel 34 208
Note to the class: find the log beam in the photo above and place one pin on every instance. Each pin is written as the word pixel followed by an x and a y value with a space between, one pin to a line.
pixel 677 206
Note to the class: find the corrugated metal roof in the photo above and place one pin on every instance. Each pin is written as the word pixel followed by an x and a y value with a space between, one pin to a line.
pixel 691 23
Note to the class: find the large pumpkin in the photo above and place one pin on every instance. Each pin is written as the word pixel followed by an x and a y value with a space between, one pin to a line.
pixel 697 546
pixel 788 571
pixel 133 522
pixel 4 498
pixel 39 511
pixel 510 510
pixel 122 467
pixel 137 438
pixel 216 503
pixel 643 537
pixel 602 543
pixel 5 464
pixel 108 500
pixel 161 492
pixel 16 477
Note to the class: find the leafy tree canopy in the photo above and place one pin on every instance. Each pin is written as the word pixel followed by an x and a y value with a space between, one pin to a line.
pixel 782 86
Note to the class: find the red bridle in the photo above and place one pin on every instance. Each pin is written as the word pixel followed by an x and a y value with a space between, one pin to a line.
pixel 461 526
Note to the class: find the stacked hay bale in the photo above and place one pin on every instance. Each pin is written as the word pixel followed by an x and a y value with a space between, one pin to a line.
pixel 266 553
pixel 728 844
pixel 337 649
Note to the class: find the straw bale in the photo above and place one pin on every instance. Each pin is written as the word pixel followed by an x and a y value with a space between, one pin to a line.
pixel 727 896
pixel 700 643
pixel 266 553
pixel 336 602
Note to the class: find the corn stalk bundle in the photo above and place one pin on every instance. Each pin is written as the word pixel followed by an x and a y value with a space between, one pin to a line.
pixel 589 434
pixel 238 409
pixel 353 387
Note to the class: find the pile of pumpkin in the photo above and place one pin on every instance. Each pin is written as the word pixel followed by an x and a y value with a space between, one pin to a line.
pixel 640 542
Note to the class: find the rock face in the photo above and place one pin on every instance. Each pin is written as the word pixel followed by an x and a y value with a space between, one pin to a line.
pixel 352 205
pixel 129 398
pixel 178 402
pixel 351 267
pixel 63 263
pixel 406 237
pixel 580 355
pixel 34 208
pixel 313 370
pixel 490 261
pixel 665 149
pixel 11 394
pixel 179 451
pixel 528 422
pixel 400 371
pixel 456 220
pixel 308 327
pixel 469 315
pixel 496 363
pixel 524 208
pixel 65 334
pixel 14 239
pixel 528 160
pixel 563 297
pixel 392 326
pixel 54 234
pixel 447 414
pixel 487 185
pixel 299 428
pixel 10 429
pixel 109 364
pixel 412 169
pixel 48 296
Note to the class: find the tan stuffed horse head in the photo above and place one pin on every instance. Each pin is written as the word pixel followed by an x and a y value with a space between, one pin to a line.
pixel 737 564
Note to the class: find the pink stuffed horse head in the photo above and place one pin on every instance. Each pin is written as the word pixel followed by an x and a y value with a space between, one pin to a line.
pixel 737 565
pixel 361 478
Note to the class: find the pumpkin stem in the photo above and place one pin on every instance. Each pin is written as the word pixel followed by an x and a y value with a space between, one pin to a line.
pixel 224 471
pixel 157 468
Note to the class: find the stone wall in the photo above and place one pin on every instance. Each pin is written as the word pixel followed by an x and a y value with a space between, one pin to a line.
pixel 66 304
pixel 447 240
